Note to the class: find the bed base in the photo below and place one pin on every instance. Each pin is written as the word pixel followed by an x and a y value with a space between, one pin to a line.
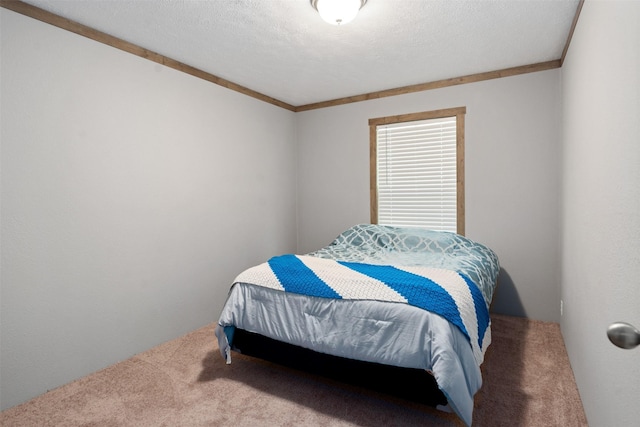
pixel 415 385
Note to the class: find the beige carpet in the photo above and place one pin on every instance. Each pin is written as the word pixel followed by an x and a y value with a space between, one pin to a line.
pixel 185 382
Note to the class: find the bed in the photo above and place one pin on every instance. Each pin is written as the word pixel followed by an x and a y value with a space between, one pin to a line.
pixel 396 297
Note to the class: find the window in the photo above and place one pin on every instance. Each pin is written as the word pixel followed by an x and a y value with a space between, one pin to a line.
pixel 417 170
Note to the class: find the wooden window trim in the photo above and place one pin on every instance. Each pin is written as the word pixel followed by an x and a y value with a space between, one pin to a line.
pixel 459 113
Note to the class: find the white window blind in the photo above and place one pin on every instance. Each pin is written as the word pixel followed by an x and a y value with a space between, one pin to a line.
pixel 416 174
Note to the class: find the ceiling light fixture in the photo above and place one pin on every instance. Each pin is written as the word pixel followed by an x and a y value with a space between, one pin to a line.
pixel 338 12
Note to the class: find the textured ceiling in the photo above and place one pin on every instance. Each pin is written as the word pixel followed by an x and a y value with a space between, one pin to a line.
pixel 282 48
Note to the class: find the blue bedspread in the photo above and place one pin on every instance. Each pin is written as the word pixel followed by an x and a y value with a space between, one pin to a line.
pixel 447 293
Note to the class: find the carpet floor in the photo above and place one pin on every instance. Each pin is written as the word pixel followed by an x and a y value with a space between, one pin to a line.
pixel 527 382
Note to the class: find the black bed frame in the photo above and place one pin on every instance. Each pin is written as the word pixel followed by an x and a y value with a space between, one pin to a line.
pixel 415 385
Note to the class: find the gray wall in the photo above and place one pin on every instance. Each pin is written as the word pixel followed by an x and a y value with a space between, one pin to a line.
pixel 132 195
pixel 601 207
pixel 512 149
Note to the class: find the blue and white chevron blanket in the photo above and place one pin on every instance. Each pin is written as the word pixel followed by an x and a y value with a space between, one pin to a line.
pixel 447 293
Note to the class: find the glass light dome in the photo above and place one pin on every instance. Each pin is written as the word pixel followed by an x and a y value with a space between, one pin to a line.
pixel 338 12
